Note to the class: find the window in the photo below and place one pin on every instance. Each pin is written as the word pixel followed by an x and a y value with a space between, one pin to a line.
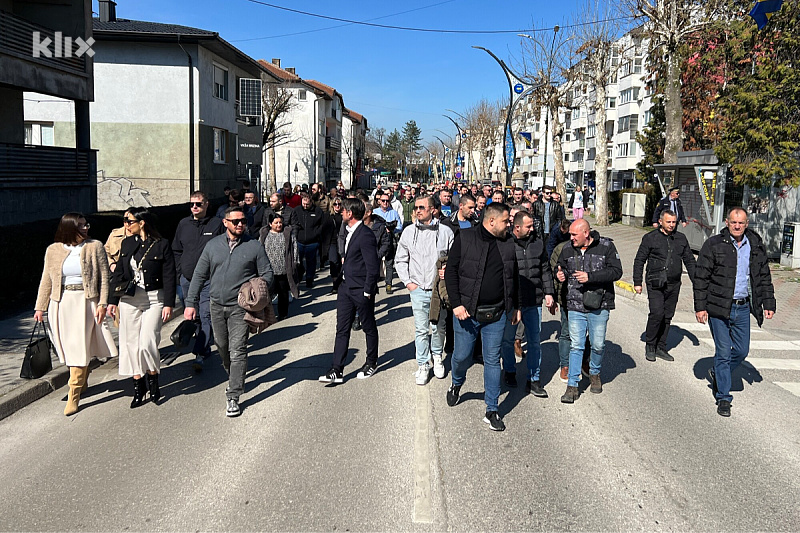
pixel 609 153
pixel 220 145
pixel 220 83
pixel 632 148
pixel 637 65
pixel 566 158
pixel 647 116
pixel 614 56
pixel 611 102
pixel 28 133
pixel 39 134
pixel 626 69
pixel 625 96
pixel 567 136
pixel 536 127
pixel 576 113
pixel 590 131
pixel 301 95
pixel 622 150
pixel 623 124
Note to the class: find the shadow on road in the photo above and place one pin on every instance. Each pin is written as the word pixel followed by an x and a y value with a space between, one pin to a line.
pixel 745 373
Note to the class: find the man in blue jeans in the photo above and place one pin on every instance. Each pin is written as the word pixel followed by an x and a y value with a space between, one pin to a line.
pixel 590 266
pixel 536 284
pixel 732 280
pixel 308 228
pixel 420 246
pixel 482 283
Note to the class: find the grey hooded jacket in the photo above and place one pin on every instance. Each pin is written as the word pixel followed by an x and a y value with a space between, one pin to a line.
pixel 419 247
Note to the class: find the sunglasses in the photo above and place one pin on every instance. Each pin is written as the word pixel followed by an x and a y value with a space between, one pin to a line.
pixel 196 204
pixel 129 221
pixel 382 200
pixel 237 221
pixel 422 207
pixel 85 226
pixel 337 203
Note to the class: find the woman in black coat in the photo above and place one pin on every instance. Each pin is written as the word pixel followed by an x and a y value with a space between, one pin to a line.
pixel 143 292
pixel 334 255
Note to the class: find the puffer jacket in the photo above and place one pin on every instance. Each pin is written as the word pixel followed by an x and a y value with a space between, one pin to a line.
pixel 439 298
pixel 601 262
pixel 535 276
pixel 654 250
pixel 715 277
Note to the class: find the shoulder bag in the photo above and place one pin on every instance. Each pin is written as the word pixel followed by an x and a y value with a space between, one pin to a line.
pixel 37 361
pixel 658 279
pixel 128 287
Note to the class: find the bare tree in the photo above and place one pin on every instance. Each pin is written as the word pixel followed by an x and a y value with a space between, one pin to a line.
pixel 277 101
pixel 546 61
pixel 485 130
pixel 668 23
pixel 595 42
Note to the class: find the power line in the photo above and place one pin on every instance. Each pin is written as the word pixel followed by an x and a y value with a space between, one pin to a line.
pixel 424 30
pixel 341 25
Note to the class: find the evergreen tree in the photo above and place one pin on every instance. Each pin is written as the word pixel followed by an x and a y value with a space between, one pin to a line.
pixel 412 138
pixel 393 149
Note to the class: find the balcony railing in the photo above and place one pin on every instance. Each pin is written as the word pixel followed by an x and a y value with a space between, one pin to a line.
pixel 16 39
pixel 333 143
pixel 45 164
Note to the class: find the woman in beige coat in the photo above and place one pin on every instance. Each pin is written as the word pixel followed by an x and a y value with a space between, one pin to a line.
pixel 74 293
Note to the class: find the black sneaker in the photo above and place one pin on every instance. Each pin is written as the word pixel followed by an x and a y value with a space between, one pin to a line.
pixel 724 408
pixel 510 379
pixel 233 408
pixel 713 379
pixel 535 388
pixel 661 353
pixel 332 376
pixel 366 371
pixel 494 421
pixel 453 394
pixel 650 354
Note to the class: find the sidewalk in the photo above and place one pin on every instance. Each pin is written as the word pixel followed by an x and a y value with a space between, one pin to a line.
pixel 786 282
pixel 15 333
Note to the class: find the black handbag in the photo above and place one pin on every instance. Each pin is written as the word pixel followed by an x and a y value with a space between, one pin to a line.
pixel 658 279
pixel 128 287
pixel 593 299
pixel 183 334
pixel 486 314
pixel 37 361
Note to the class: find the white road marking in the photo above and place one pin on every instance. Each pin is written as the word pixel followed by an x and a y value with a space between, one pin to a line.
pixel 774 364
pixel 794 388
pixel 423 511
pixel 783 346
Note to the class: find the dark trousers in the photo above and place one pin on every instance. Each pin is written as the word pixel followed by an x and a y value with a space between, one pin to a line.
pixel 203 339
pixel 336 264
pixel 348 302
pixel 282 289
pixel 662 309
pixel 308 259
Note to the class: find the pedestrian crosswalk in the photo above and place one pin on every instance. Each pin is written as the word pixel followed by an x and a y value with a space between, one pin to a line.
pixel 790 348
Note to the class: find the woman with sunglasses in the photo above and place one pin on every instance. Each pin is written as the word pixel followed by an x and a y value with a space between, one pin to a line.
pixel 74 292
pixel 143 286
pixel 334 256
pixel 281 248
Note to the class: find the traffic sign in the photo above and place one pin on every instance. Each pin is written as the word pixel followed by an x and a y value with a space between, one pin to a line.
pixel 518 88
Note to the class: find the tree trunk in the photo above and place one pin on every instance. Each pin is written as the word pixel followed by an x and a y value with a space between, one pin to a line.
pixel 601 150
pixel 558 153
pixel 673 110
pixel 273 184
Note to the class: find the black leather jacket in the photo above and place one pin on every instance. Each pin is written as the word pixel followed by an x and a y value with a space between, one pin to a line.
pixel 158 267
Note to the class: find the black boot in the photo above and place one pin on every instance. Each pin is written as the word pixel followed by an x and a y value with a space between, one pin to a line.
pixel 139 390
pixel 152 384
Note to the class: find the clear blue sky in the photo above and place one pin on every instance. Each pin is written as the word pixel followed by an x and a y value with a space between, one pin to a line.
pixel 389 76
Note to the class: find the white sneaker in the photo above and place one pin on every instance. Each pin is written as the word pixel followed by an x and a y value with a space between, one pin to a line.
pixel 423 374
pixel 438 367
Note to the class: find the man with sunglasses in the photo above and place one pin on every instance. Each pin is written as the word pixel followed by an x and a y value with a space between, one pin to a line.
pixel 394 226
pixel 227 262
pixel 191 237
pixel 547 214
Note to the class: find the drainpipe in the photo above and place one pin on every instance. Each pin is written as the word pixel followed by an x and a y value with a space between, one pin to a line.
pixel 191 118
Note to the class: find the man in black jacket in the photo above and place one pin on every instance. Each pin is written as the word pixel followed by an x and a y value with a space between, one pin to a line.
pixel 308 228
pixel 591 265
pixel 483 286
pixel 536 284
pixel 254 211
pixel 191 236
pixel 732 280
pixel 672 201
pixel 547 214
pixel 662 250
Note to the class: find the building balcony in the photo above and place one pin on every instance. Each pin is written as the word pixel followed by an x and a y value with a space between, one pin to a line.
pixel 45 166
pixel 332 143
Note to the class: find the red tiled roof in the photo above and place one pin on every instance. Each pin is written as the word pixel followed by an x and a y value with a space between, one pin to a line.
pixel 327 89
pixel 278 72
pixel 355 116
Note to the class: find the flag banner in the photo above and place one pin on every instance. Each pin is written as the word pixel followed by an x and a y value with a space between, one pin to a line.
pixel 763 10
pixel 527 136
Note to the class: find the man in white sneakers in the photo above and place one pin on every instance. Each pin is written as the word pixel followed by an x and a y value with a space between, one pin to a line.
pixel 420 246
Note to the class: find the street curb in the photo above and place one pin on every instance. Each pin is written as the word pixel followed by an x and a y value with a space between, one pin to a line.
pixel 29 391
pixel 625 289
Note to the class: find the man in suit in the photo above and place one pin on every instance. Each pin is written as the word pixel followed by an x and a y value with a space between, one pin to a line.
pixel 671 202
pixel 360 272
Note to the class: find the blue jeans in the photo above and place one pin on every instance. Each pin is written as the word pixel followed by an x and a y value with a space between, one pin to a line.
pixel 595 322
pixel 465 333
pixel 564 343
pixel 308 258
pixel 204 338
pixel 532 319
pixel 732 342
pixel 426 343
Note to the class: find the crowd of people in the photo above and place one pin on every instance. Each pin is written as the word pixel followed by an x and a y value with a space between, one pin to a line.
pixel 481 266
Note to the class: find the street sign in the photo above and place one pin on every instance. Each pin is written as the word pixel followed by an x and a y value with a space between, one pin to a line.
pixel 458 175
pixel 518 88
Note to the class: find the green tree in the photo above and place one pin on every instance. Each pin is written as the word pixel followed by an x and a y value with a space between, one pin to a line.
pixel 393 149
pixel 412 139
pixel 760 104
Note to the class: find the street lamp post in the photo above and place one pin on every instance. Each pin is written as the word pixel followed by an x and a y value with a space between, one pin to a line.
pixel 518 90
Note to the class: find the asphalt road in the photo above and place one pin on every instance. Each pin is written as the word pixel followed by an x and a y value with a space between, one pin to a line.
pixel 649 453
